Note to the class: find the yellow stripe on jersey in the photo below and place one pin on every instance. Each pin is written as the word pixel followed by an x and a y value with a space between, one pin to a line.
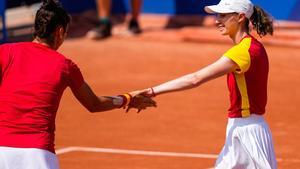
pixel 241 83
pixel 240 55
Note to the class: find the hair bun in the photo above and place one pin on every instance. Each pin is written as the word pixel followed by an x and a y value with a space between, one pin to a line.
pixel 50 3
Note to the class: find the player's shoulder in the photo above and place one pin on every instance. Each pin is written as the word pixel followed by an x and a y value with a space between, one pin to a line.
pixel 255 46
pixel 251 41
pixel 246 42
pixel 7 45
pixel 68 62
pixel 16 44
pixel 6 48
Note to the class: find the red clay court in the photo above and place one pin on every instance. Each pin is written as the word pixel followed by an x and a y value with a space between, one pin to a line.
pixel 187 129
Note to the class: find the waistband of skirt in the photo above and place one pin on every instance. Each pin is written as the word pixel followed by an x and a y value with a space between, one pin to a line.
pixel 252 119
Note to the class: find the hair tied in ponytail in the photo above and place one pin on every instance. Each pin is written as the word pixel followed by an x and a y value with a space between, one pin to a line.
pixel 262 21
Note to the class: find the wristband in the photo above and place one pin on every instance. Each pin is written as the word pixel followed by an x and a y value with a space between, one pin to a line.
pixel 126 99
pixel 117 100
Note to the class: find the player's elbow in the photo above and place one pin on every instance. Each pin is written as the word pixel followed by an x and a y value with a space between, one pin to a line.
pixel 195 80
pixel 95 108
pixel 92 109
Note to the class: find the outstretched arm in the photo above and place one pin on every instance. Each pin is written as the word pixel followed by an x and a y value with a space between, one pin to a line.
pixel 95 103
pixel 221 67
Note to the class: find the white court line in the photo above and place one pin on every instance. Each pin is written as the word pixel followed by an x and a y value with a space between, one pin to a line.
pixel 135 152
pixel 148 153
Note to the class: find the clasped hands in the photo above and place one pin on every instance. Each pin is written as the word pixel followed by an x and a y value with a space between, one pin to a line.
pixel 141 99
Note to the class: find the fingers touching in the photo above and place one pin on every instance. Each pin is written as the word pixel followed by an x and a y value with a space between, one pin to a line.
pixel 149 92
pixel 140 101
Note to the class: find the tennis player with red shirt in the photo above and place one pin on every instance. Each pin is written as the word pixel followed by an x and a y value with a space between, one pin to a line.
pixel 249 143
pixel 33 77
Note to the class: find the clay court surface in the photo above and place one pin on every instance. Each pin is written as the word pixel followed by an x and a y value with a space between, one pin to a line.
pixel 187 129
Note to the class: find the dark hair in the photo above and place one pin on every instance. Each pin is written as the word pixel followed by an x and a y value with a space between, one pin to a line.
pixel 262 22
pixel 50 16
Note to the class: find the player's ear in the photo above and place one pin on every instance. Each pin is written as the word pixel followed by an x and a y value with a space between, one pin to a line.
pixel 61 32
pixel 241 17
pixel 58 33
pixel 59 36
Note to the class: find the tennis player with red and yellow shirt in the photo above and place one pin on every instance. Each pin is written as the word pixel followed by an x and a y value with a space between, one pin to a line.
pixel 249 142
pixel 33 77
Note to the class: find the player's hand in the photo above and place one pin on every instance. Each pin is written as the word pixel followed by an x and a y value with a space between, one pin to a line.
pixel 140 102
pixel 145 92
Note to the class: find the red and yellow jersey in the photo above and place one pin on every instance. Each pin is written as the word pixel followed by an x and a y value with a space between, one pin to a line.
pixel 248 84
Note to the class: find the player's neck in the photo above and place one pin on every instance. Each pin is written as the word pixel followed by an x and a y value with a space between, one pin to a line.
pixel 238 36
pixel 40 41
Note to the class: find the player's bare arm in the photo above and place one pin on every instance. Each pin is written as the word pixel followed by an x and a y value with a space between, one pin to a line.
pixel 212 71
pixel 95 103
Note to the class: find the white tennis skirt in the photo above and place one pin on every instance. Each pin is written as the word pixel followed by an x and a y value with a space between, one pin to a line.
pixel 27 158
pixel 248 145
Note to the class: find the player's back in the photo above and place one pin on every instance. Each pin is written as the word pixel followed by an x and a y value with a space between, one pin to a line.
pixel 33 78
